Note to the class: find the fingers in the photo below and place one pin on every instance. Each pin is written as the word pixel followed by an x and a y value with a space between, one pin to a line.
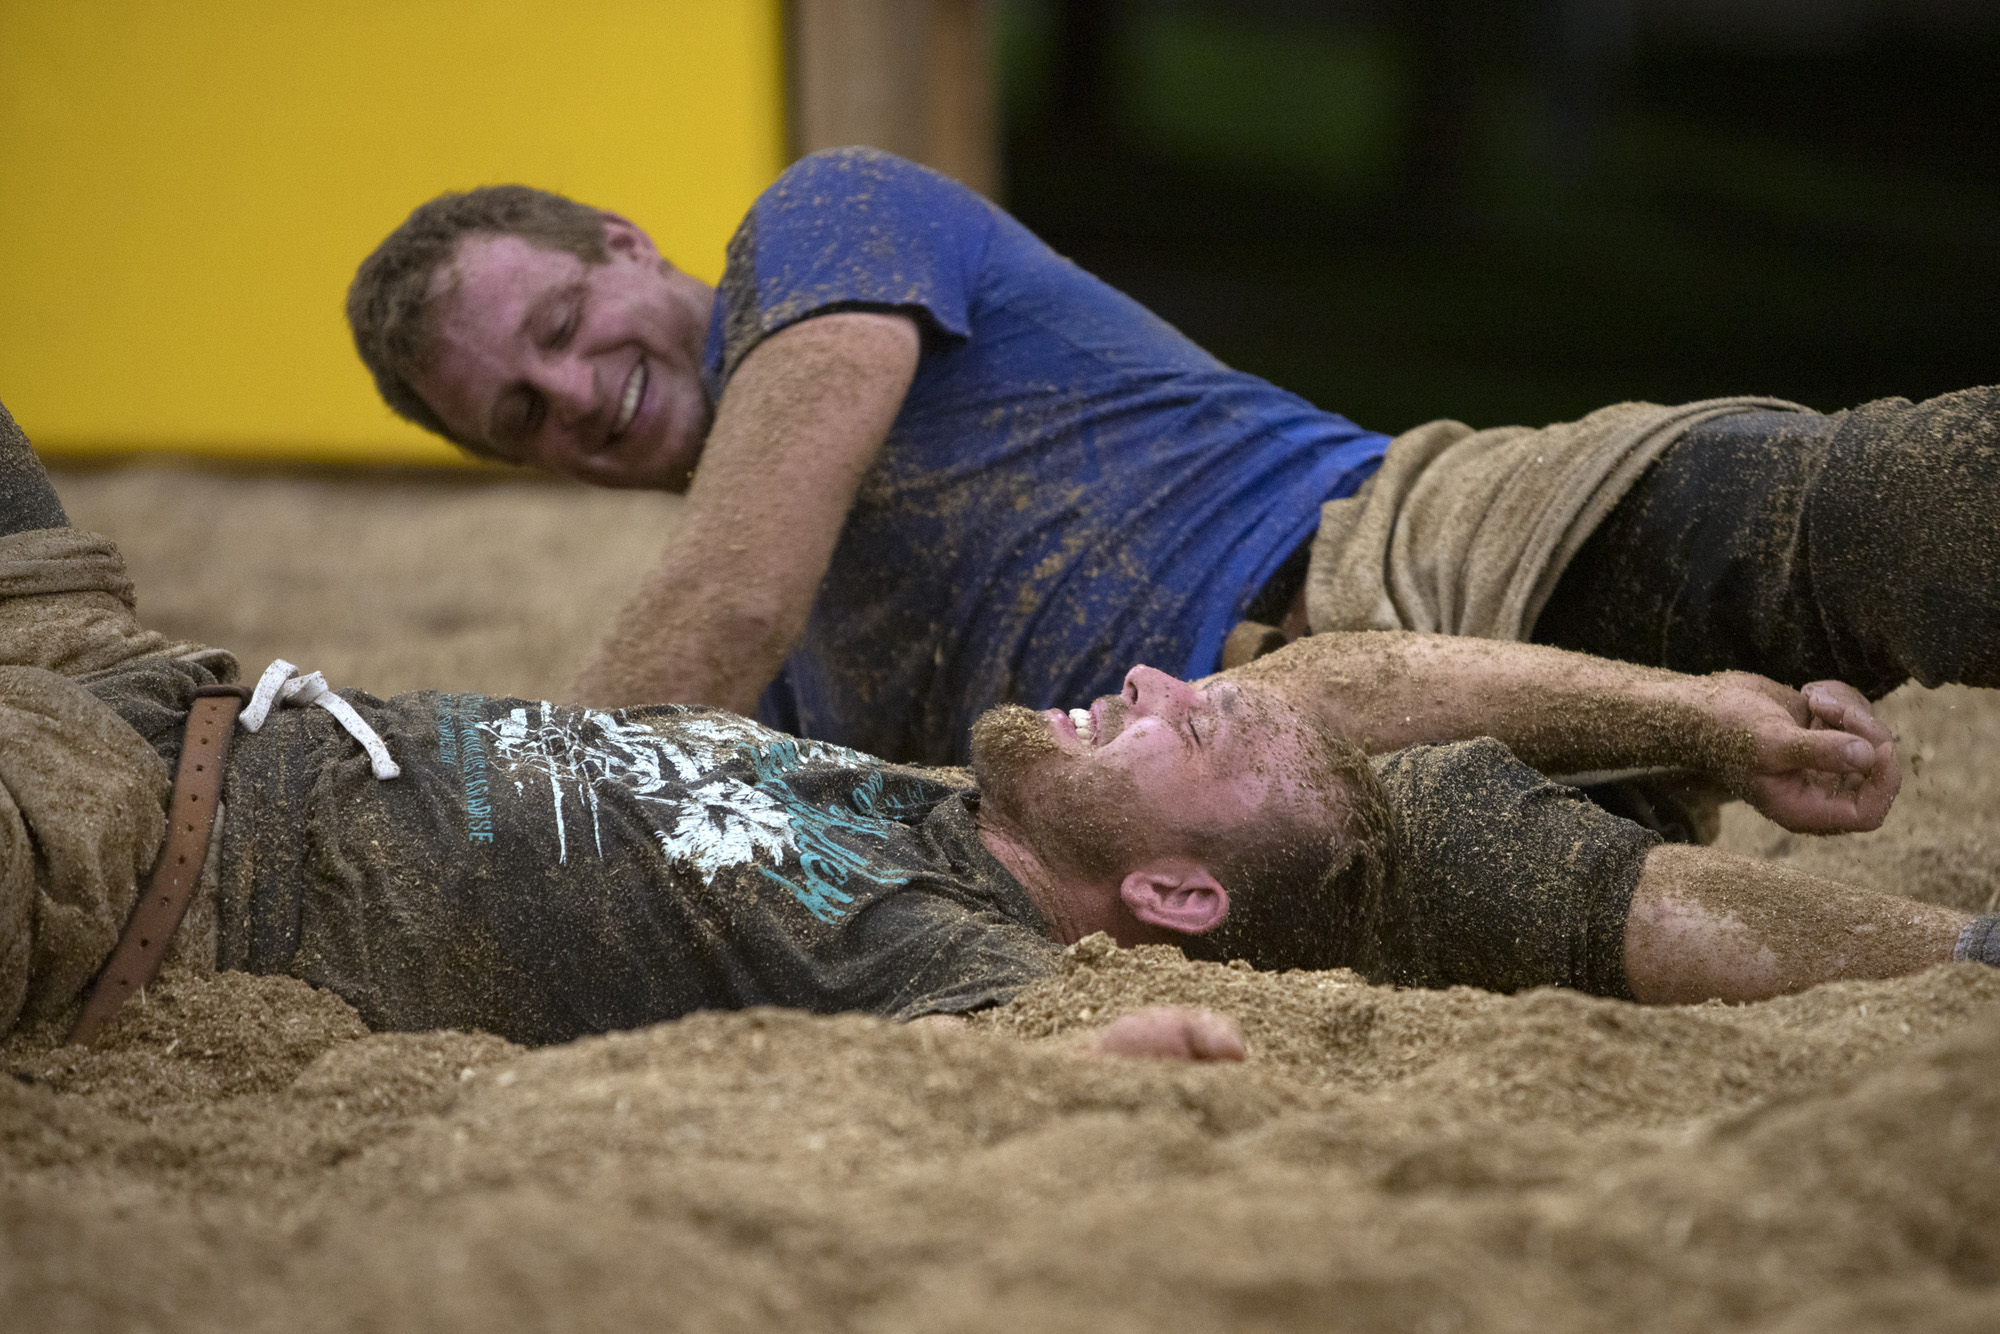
pixel 1833 752
pixel 1170 1032
pixel 1837 705
pixel 1806 806
pixel 1821 792
pixel 1824 762
pixel 1214 1037
pixel 1842 735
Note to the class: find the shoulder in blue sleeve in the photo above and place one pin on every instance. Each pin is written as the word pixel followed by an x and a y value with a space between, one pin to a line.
pixel 1070 487
pixel 850 229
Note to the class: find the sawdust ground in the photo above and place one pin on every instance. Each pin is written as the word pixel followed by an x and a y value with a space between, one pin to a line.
pixel 242 1155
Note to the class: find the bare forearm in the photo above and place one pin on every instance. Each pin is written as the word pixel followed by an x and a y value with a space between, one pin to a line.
pixel 799 425
pixel 1560 712
pixel 1709 925
pixel 692 634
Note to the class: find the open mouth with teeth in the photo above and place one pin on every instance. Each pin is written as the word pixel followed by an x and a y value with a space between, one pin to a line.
pixel 1096 724
pixel 1086 726
pixel 628 405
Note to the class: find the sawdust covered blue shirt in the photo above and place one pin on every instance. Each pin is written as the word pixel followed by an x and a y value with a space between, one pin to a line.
pixel 1071 486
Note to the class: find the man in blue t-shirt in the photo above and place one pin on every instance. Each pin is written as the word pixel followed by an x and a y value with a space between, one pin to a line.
pixel 940 467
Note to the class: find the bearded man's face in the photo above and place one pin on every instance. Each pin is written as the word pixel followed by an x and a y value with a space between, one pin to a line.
pixel 1160 768
pixel 1081 818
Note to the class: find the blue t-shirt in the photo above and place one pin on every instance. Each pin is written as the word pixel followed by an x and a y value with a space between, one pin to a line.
pixel 1071 487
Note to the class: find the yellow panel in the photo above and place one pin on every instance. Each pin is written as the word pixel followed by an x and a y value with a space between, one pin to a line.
pixel 186 188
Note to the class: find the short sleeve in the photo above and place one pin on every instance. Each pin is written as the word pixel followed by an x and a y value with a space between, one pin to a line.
pixel 934 954
pixel 1501 879
pixel 845 229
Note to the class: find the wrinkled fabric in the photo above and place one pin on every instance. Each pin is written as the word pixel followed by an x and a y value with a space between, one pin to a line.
pixel 26 498
pixel 1858 546
pixel 1502 879
pixel 66 606
pixel 1467 532
pixel 82 793
pixel 82 814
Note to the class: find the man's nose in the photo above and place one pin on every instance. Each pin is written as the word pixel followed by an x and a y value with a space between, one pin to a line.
pixel 1153 691
pixel 569 385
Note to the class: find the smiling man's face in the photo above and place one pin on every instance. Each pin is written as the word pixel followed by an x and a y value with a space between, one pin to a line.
pixel 590 370
pixel 1158 768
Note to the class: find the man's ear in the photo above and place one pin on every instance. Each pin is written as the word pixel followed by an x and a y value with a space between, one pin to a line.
pixel 625 237
pixel 1175 894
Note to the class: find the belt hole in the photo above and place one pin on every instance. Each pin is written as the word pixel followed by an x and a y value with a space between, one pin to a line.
pixel 144 942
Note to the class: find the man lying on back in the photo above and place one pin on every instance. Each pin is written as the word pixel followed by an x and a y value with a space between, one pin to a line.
pixel 542 871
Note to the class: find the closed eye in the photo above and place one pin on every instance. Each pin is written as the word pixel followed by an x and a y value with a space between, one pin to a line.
pixel 519 417
pixel 565 329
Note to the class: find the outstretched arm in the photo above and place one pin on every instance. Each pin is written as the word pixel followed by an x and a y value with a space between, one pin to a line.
pixel 1708 925
pixel 801 422
pixel 1814 760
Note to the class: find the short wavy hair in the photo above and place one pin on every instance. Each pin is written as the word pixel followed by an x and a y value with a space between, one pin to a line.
pixel 1303 885
pixel 390 301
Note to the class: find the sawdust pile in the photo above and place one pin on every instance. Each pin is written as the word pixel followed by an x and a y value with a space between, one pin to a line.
pixel 243 1155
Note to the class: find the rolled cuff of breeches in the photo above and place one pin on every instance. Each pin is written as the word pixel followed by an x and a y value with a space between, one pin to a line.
pixel 1467 532
pixel 82 819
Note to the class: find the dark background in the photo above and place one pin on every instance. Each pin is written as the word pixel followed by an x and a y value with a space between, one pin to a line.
pixel 1407 209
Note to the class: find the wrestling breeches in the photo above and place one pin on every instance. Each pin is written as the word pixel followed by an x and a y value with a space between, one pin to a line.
pixel 1863 547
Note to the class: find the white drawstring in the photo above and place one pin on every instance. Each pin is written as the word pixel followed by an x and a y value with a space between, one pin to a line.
pixel 282 684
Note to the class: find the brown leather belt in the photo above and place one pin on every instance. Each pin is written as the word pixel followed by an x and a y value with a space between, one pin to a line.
pixel 211 726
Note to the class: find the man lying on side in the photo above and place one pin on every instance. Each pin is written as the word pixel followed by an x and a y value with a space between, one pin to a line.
pixel 541 871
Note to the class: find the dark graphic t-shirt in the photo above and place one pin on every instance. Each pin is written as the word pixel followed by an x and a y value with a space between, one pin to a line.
pixel 1071 487
pixel 542 872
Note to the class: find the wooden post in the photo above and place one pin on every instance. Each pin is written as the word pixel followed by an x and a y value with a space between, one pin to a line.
pixel 914 77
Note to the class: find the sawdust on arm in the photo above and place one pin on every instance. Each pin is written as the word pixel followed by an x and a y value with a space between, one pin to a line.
pixel 800 424
pixel 1709 925
pixel 1812 760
